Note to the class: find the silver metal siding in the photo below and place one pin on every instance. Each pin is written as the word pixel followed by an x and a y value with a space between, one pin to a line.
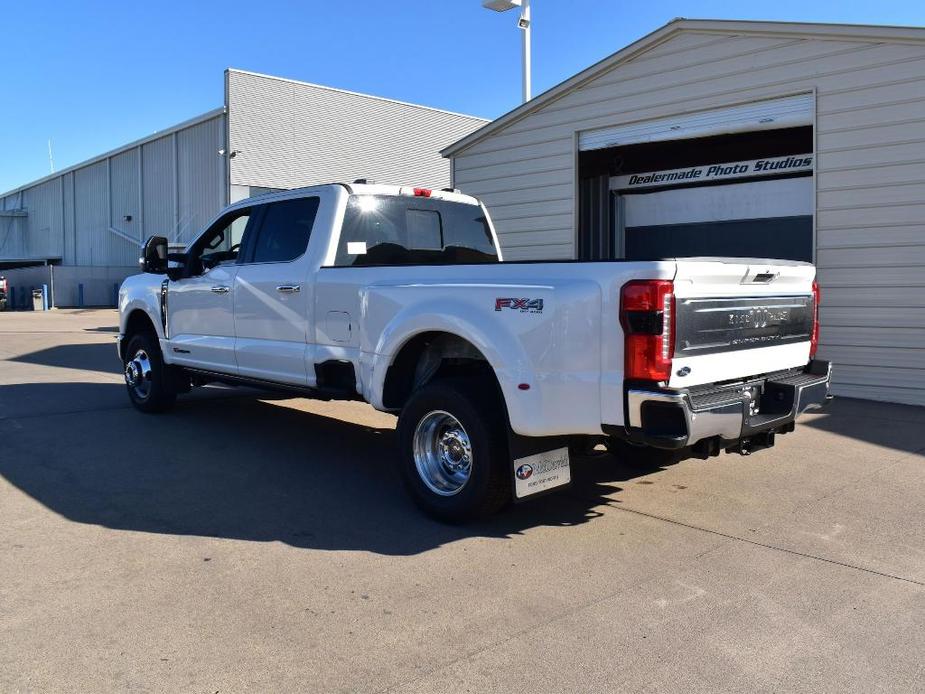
pixel 67 185
pixel 870 220
pixel 12 229
pixel 92 211
pixel 291 134
pixel 43 228
pixel 125 194
pixel 158 165
pixel 70 214
pixel 201 176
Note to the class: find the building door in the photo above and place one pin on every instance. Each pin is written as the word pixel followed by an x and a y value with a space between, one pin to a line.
pixel 755 219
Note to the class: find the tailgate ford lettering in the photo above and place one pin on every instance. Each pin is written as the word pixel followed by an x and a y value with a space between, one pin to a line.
pixel 707 326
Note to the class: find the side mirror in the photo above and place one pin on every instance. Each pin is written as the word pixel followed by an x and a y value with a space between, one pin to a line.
pixel 154 255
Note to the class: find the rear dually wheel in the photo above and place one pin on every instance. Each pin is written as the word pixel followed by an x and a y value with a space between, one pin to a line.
pixel 453 455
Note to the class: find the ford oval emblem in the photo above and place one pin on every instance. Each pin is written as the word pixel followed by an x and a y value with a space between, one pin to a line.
pixel 524 472
pixel 684 370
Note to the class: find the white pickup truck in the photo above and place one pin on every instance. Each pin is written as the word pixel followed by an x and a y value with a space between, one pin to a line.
pixel 399 297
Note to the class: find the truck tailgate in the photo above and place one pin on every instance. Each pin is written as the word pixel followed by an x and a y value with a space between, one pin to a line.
pixel 740 317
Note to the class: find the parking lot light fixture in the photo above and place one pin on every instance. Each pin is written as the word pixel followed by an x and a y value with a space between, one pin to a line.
pixel 524 25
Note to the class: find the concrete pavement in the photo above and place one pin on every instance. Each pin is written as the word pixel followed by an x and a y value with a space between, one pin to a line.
pixel 245 544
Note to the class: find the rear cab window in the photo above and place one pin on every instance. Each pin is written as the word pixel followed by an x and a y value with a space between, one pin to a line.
pixel 401 230
pixel 285 228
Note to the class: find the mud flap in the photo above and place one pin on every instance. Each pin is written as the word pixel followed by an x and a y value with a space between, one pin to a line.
pixel 539 464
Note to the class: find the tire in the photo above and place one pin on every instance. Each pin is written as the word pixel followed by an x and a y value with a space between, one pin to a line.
pixel 647 456
pixel 146 376
pixel 439 424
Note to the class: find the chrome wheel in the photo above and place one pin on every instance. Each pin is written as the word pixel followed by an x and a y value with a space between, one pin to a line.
pixel 138 374
pixel 442 453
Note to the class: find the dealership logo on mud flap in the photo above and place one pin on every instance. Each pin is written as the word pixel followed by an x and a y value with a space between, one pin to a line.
pixel 524 472
pixel 537 473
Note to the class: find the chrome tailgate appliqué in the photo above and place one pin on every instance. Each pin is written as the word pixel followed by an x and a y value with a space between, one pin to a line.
pixel 708 326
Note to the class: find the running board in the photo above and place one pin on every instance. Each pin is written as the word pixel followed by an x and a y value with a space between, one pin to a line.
pixel 203 377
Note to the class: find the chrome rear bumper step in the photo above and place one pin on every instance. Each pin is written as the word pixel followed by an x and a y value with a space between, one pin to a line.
pixel 750 411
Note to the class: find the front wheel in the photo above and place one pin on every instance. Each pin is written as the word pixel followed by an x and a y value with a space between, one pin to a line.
pixel 146 375
pixel 454 459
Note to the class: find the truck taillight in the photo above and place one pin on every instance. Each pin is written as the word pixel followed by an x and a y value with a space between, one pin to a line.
pixel 647 311
pixel 814 338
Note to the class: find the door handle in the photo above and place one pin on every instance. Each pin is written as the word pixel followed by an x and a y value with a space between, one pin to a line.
pixel 289 289
pixel 220 289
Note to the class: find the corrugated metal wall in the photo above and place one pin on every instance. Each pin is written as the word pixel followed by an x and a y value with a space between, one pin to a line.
pixel 870 130
pixel 125 201
pixel 201 176
pixel 170 184
pixel 159 192
pixel 291 134
pixel 91 212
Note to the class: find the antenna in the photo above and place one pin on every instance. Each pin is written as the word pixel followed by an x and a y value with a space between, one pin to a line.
pixel 51 159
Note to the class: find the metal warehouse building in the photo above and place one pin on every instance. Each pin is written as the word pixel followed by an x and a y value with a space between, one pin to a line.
pixel 79 231
pixel 754 139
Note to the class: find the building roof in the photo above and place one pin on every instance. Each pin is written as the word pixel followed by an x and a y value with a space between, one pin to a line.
pixel 220 111
pixel 196 120
pixel 360 94
pixel 832 32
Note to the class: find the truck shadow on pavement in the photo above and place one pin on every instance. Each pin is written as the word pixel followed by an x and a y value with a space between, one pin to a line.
pixel 90 356
pixel 889 425
pixel 240 468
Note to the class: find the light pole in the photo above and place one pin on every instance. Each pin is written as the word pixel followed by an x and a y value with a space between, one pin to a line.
pixel 524 24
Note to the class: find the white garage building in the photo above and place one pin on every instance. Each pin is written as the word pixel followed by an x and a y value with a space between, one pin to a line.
pixel 801 141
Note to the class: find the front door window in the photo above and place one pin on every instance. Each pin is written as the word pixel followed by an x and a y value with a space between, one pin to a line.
pixel 221 242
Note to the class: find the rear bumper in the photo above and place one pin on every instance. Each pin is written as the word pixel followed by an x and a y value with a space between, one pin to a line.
pixel 675 419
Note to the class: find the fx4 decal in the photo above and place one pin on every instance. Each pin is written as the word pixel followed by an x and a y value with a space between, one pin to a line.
pixel 522 305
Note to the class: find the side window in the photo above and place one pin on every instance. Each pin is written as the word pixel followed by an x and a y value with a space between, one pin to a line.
pixel 221 242
pixel 469 235
pixel 285 230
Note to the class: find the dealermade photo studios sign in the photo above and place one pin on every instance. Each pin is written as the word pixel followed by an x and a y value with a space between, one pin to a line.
pixel 768 166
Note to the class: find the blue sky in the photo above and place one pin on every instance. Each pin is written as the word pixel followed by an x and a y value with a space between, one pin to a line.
pixel 95 75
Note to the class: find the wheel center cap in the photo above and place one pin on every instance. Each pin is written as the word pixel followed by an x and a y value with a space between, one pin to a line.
pixel 131 373
pixel 454 452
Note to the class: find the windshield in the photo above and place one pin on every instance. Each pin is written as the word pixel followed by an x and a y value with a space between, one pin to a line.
pixel 401 230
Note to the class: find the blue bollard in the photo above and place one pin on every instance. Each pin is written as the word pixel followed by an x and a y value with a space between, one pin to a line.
pixel 80 296
pixel 115 294
pixel 44 297
pixel 12 298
